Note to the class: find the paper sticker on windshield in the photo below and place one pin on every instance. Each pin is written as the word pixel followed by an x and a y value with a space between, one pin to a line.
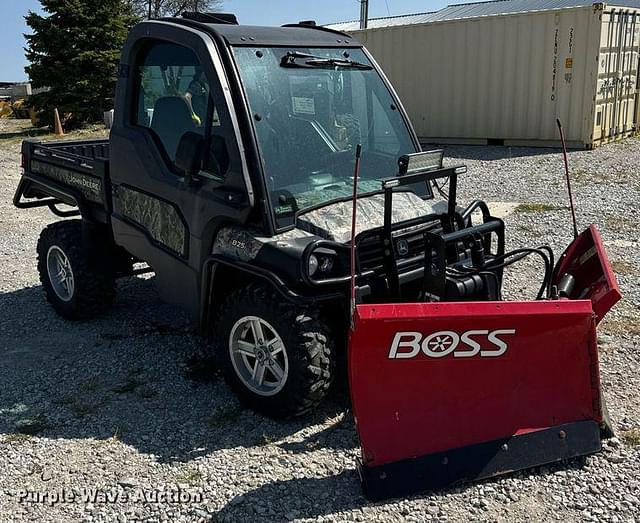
pixel 303 105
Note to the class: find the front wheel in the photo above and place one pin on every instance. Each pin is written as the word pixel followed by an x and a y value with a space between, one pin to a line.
pixel 277 357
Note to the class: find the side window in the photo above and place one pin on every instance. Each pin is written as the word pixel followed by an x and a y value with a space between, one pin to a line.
pixel 174 97
pixel 386 138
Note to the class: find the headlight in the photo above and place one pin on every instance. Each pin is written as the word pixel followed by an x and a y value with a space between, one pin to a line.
pixel 313 265
pixel 325 264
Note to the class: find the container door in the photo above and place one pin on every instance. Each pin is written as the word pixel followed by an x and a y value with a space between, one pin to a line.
pixel 617 98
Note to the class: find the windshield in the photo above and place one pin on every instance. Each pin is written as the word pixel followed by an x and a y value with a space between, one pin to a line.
pixel 311 107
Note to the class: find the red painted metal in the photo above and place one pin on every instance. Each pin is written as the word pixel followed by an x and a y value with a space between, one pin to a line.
pixel 587 261
pixel 408 407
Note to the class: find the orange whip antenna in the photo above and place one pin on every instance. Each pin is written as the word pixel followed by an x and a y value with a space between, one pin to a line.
pixel 356 175
pixel 566 171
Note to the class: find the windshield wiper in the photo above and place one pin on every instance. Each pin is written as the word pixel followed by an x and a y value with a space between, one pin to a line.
pixel 332 62
pixel 289 60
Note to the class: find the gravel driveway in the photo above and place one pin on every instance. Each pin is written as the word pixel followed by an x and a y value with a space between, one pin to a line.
pixel 120 419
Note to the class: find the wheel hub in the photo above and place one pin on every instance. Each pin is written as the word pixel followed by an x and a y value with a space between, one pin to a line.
pixel 258 356
pixel 60 273
pixel 261 355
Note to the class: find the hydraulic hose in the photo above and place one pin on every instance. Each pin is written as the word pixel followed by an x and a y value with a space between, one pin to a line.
pixel 511 258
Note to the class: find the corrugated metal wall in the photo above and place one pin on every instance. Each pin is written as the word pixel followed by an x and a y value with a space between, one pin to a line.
pixel 508 77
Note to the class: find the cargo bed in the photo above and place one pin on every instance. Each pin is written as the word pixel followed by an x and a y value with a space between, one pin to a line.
pixel 72 173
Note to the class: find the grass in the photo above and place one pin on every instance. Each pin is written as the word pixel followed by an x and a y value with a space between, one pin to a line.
pixel 314 444
pixel 623 268
pixel 225 416
pixel 264 440
pixel 620 223
pixel 116 437
pixel 201 368
pixel 580 176
pixel 527 228
pixel 25 133
pixel 536 207
pixel 631 437
pixel 131 383
pixel 147 392
pixel 81 408
pixel 625 326
pixel 31 426
pixel 18 437
pixel 90 385
pixel 190 477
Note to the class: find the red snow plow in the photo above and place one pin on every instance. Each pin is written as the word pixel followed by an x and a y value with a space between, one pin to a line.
pixel 447 390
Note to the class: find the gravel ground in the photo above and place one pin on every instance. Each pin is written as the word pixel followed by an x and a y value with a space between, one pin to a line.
pixel 115 412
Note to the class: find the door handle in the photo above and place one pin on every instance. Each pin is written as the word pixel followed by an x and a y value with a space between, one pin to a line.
pixel 230 197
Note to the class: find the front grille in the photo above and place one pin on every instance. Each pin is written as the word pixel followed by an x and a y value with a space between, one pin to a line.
pixel 409 256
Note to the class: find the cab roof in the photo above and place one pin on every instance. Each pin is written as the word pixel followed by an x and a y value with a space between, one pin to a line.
pixel 292 35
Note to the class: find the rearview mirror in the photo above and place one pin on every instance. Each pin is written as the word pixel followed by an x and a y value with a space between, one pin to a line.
pixel 189 155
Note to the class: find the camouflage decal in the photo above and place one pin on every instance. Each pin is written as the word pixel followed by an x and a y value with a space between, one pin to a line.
pixel 245 244
pixel 334 191
pixel 333 222
pixel 161 219
pixel 89 186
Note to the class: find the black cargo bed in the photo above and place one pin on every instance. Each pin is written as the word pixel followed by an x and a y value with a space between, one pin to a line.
pixel 74 173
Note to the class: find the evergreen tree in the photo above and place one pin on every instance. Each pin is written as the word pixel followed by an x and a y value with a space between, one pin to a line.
pixel 158 8
pixel 74 51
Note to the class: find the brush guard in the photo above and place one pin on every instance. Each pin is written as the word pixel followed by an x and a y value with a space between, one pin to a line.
pixel 445 393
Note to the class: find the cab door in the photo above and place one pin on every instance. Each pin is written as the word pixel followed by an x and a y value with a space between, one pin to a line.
pixel 172 83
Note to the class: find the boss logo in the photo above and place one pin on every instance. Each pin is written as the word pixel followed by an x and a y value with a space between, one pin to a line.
pixel 483 343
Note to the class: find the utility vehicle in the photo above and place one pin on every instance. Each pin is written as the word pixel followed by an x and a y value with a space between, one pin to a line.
pixel 231 171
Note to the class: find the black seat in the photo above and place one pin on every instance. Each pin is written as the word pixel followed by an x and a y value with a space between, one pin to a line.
pixel 171 119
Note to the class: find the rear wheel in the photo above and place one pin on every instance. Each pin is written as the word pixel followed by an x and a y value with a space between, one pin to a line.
pixel 277 357
pixel 79 284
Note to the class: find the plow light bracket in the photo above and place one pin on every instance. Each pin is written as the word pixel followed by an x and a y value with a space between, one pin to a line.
pixel 419 176
pixel 423 175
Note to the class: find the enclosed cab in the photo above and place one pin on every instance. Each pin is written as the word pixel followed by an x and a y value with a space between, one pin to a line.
pixel 228 171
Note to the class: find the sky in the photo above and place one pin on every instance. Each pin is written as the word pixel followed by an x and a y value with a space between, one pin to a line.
pixel 253 12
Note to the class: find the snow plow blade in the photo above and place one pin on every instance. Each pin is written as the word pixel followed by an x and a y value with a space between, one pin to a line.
pixel 591 275
pixel 446 393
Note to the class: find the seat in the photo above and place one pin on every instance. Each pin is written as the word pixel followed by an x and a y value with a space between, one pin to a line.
pixel 171 119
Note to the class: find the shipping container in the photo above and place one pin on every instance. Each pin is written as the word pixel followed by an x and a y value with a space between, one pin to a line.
pixel 481 73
